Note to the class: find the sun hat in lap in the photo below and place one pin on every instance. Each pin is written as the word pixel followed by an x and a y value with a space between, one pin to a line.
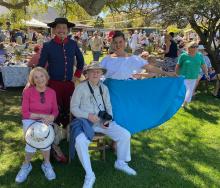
pixel 39 135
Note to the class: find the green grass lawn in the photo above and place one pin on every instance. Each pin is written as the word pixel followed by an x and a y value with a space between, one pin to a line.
pixel 183 152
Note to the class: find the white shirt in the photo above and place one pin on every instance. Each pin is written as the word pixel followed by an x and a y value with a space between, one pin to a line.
pixel 134 41
pixel 82 102
pixel 84 36
pixel 122 68
pixel 96 43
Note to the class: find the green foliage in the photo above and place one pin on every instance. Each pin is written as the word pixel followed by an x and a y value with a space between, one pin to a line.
pixel 173 28
pixel 99 23
pixel 150 48
pixel 71 10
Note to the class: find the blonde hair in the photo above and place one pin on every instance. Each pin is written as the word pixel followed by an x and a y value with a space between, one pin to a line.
pixel 37 69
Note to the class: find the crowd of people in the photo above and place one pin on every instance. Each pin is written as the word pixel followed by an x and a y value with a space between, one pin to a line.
pixel 51 94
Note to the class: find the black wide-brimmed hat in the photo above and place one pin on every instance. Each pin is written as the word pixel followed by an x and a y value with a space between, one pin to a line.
pixel 60 21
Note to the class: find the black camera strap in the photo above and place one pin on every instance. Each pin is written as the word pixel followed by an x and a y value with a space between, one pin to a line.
pixel 101 92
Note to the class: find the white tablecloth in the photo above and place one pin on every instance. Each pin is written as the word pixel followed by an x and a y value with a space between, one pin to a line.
pixel 15 76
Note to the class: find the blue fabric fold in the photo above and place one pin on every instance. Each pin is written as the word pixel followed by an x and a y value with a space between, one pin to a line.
pixel 77 126
pixel 143 104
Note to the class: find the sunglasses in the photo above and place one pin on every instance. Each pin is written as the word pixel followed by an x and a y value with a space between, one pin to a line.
pixel 194 47
pixel 42 97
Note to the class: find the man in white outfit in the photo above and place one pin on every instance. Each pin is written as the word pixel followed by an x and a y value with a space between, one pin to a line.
pixel 89 98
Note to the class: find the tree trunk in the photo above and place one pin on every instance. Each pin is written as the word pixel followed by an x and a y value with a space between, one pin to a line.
pixel 213 53
pixel 92 7
pixel 19 5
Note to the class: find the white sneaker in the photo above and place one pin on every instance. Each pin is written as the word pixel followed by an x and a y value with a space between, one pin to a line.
pixel 89 181
pixel 48 171
pixel 123 166
pixel 23 173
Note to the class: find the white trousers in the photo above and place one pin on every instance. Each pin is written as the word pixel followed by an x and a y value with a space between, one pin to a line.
pixel 117 133
pixel 26 123
pixel 190 86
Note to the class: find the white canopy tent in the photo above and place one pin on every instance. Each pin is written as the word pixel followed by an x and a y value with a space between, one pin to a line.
pixel 82 26
pixel 3 10
pixel 35 23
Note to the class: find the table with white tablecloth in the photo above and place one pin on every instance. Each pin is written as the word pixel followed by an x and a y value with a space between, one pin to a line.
pixel 15 75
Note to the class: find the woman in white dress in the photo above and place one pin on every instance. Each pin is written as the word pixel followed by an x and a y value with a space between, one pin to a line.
pixel 121 65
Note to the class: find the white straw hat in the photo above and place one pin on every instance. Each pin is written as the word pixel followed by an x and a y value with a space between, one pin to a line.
pixel 94 65
pixel 39 135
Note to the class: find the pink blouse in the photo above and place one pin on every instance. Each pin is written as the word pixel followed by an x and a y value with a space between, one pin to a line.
pixel 34 102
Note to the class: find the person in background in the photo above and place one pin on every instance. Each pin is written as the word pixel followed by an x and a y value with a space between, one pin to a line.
pixel 171 50
pixel 189 65
pixel 208 64
pixel 84 38
pixel 33 62
pixel 122 66
pixel 96 45
pixel 134 41
pixel 2 60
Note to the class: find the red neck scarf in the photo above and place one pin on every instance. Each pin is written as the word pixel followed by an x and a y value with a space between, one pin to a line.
pixel 59 41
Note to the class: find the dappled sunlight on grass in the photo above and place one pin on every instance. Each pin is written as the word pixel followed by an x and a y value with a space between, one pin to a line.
pixel 183 152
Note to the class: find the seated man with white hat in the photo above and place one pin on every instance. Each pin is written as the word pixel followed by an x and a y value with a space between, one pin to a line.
pixel 91 106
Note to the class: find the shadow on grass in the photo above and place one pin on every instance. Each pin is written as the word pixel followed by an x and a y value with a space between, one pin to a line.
pixel 168 164
pixel 150 175
pixel 183 157
pixel 203 113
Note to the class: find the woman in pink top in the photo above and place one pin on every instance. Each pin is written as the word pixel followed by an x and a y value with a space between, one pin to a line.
pixel 39 103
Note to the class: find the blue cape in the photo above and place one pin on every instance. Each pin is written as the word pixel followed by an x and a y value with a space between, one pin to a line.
pixel 143 104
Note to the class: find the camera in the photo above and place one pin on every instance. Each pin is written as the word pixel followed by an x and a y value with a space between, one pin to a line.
pixel 105 117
